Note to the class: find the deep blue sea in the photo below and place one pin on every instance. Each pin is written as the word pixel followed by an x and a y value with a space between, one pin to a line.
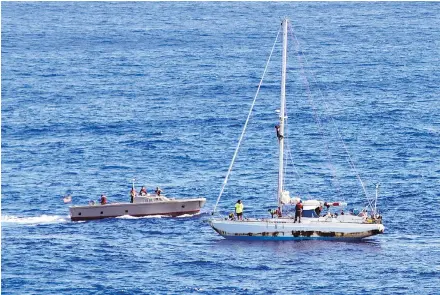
pixel 94 94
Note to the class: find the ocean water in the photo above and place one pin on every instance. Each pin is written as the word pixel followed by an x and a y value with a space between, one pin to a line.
pixel 95 94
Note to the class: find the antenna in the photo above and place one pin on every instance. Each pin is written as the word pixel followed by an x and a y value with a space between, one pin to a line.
pixel 377 196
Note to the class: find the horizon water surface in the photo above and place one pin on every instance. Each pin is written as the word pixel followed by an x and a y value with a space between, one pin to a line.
pixel 95 94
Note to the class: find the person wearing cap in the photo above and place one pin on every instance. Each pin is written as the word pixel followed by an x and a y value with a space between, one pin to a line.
pixel 239 210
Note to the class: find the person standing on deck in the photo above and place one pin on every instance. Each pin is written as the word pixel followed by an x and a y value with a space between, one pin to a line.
pixel 298 211
pixel 132 194
pixel 158 191
pixel 278 212
pixel 239 210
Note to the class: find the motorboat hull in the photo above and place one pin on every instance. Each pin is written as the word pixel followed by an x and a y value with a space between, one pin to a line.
pixel 286 229
pixel 171 208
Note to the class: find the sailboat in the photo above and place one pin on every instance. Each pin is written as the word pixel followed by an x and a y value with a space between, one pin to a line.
pixel 311 224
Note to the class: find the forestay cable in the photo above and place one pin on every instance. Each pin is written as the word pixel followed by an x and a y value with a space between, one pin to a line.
pixel 245 125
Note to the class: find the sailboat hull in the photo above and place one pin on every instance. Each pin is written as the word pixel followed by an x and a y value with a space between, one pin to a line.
pixel 286 229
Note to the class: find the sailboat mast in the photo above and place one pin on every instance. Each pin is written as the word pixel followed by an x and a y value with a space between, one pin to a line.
pixel 282 115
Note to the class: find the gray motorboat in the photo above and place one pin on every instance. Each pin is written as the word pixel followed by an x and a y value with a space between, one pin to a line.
pixel 142 205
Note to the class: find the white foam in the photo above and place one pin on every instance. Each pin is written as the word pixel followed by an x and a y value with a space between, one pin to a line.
pixel 140 217
pixel 155 216
pixel 35 219
pixel 188 215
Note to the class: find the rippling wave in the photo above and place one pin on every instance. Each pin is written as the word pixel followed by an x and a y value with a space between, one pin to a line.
pixel 95 94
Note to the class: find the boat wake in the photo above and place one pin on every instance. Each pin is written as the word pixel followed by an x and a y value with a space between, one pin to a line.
pixel 157 216
pixel 189 215
pixel 34 220
pixel 140 217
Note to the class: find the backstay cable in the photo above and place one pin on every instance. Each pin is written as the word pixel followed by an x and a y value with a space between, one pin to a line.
pixel 349 159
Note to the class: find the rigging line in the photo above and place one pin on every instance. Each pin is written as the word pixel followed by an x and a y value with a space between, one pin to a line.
pixel 350 160
pixel 315 114
pixel 289 155
pixel 289 151
pixel 319 123
pixel 245 125
pixel 285 161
